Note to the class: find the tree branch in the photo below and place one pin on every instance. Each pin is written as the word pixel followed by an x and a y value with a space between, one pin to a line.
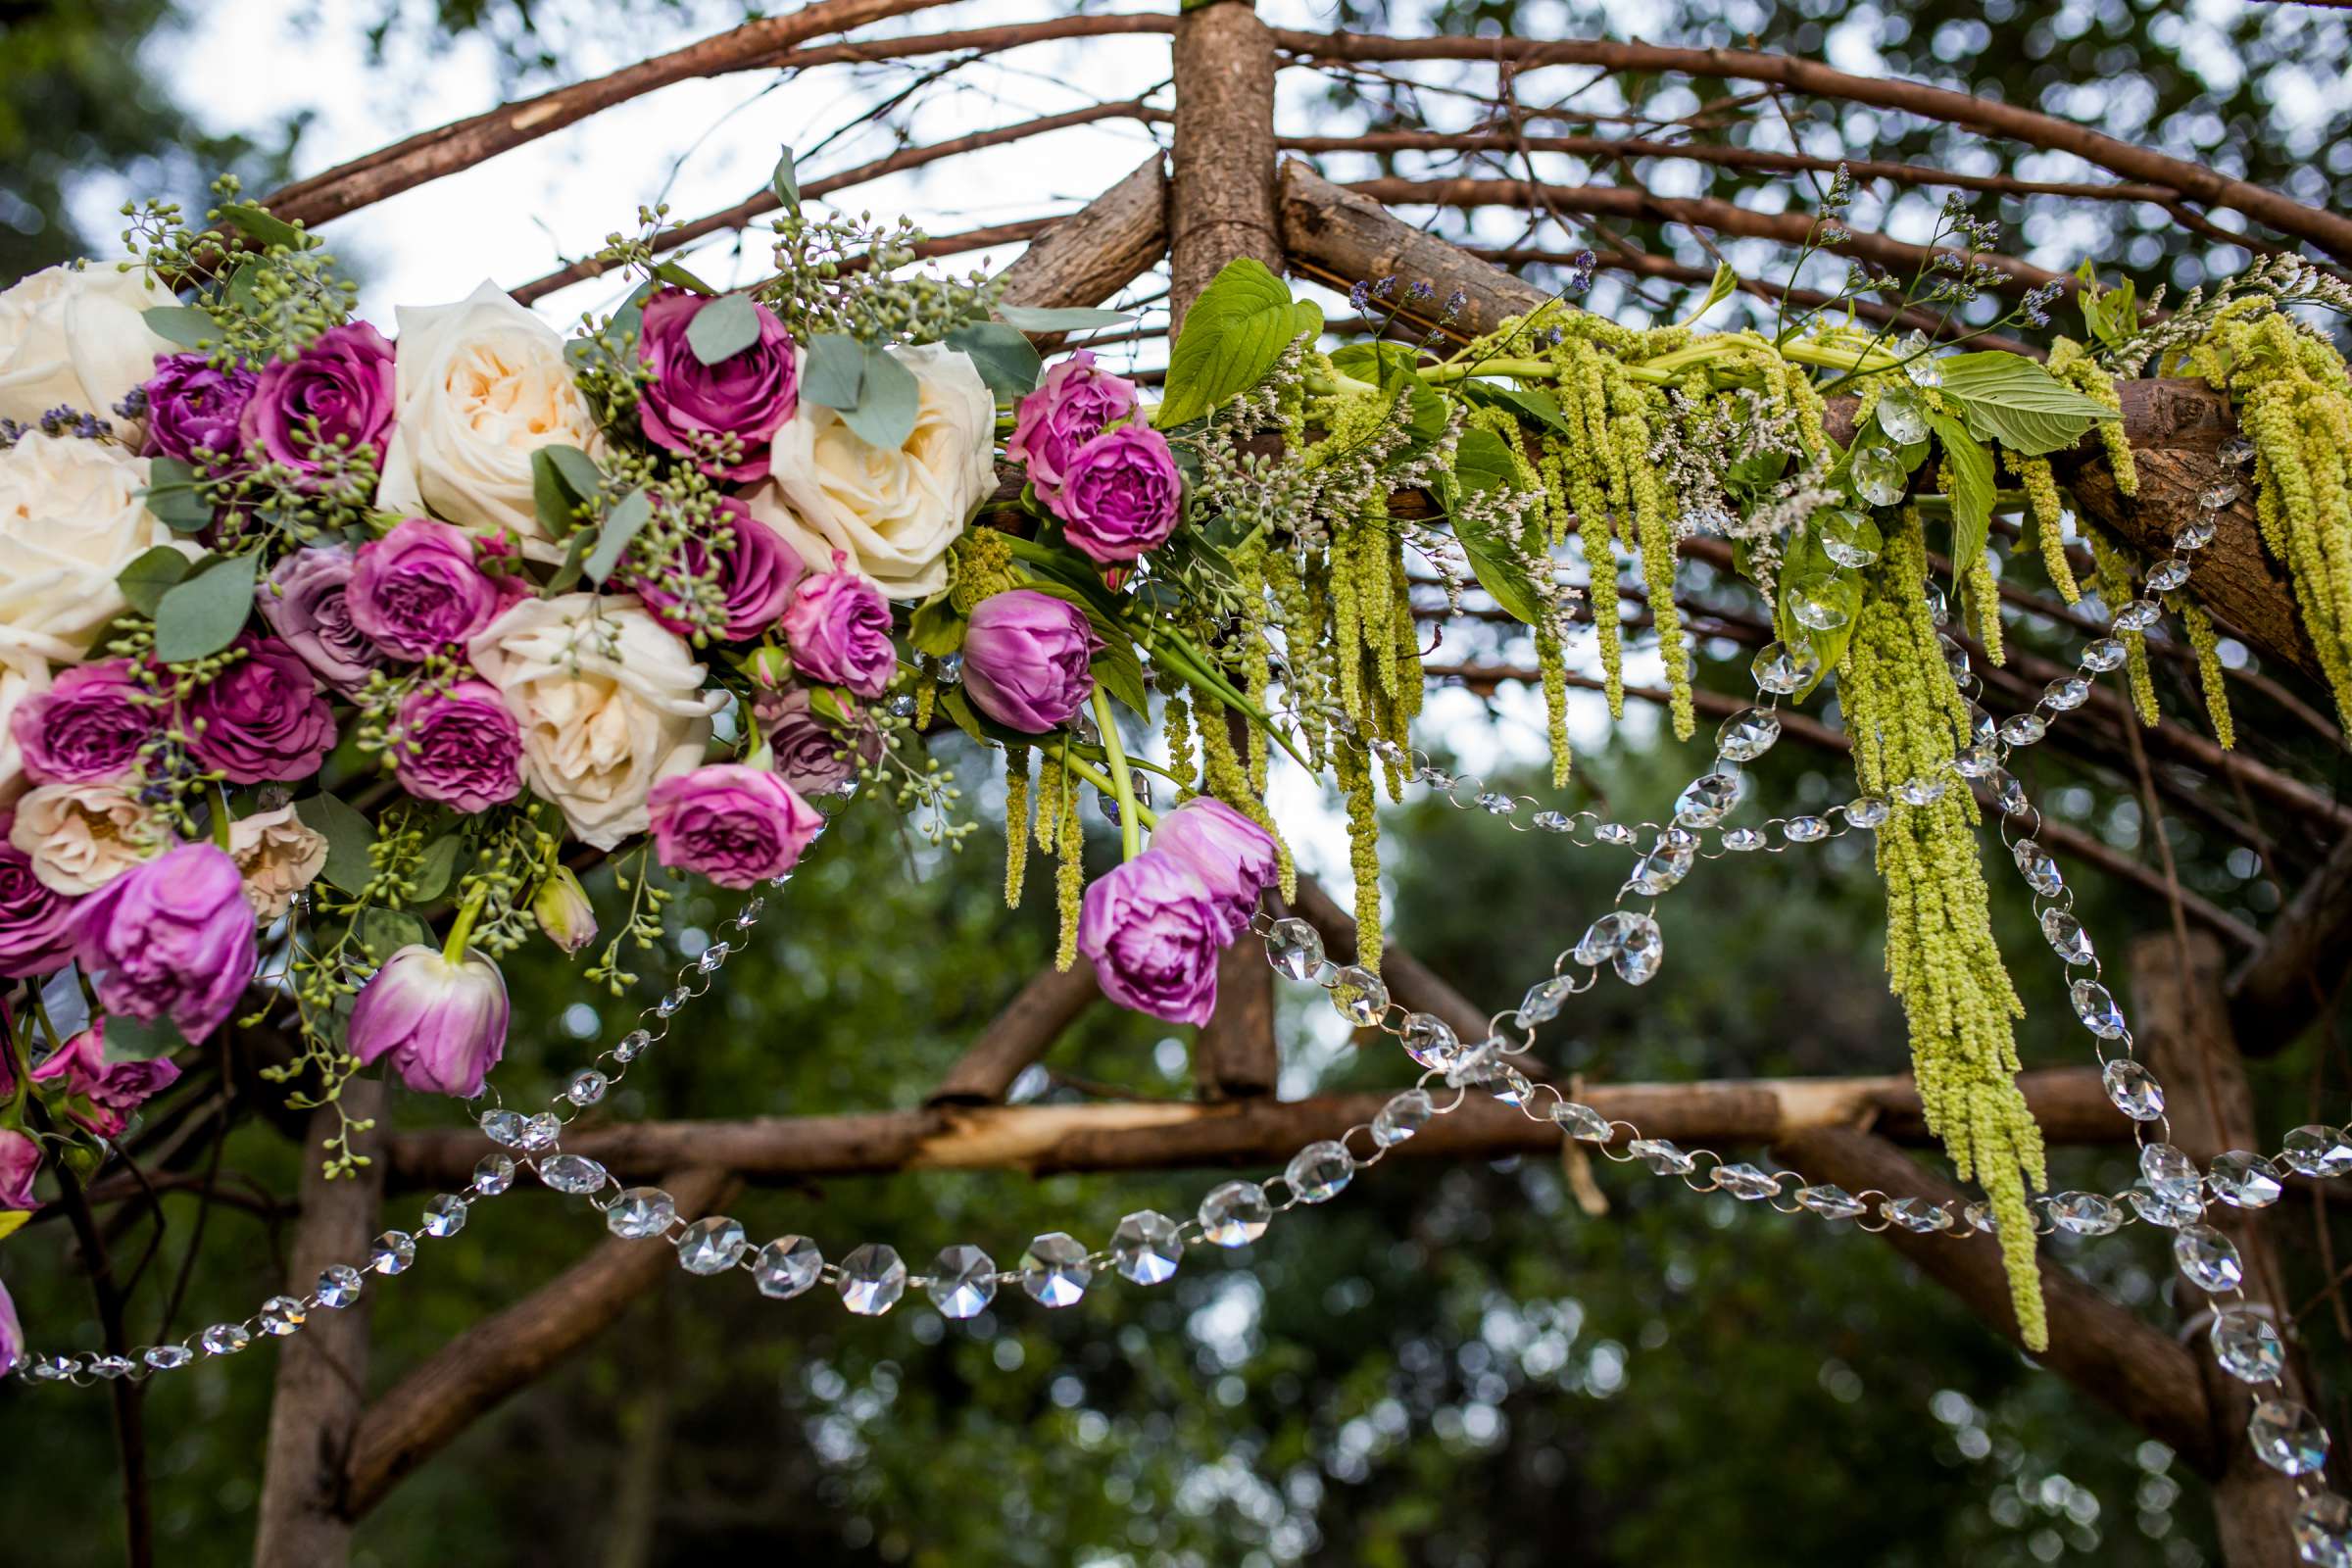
pixel 1021 1034
pixel 2283 988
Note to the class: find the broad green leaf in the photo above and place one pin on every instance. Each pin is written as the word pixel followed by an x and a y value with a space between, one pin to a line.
pixel 1039 319
pixel 259 226
pixel 384 932
pixel 935 628
pixel 1007 360
pixel 959 710
pixel 129 1039
pixel 786 181
pixel 1232 337
pixel 573 566
pixel 183 324
pixel 887 403
pixel 1541 406
pixel 672 273
pixel 144 581
pixel 176 496
pixel 835 372
pixel 434 868
pixel 554 498
pixel 577 468
pixel 723 328
pixel 1973 486
pixel 203 613
pixel 1482 462
pixel 2012 400
pixel 349 836
pixel 1120 673
pixel 630 513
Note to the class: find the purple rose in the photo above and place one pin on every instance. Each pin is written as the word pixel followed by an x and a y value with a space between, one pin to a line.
pixel 459 748
pixel 339 392
pixel 308 603
pixel 1026 658
pixel 35 919
pixel 260 718
pixel 19 1163
pixel 754 565
pixel 114 1089
pixel 1234 858
pixel 748 395
pixel 839 626
pixel 443 1024
pixel 1068 409
pixel 12 1333
pixel 1121 495
pixel 1152 931
pixel 169 936
pixel 87 727
pixel 193 405
pixel 739 826
pixel 813 755
pixel 417 590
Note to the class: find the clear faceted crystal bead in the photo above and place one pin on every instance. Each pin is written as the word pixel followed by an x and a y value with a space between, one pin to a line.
pixel 712 958
pixel 1147 1246
pixel 444 1216
pixel 1980 727
pixel 672 1002
pixel 711 1246
pixel 2246 1345
pixel 1920 1214
pixel 58 1368
pixel 1054 1270
pixel 1975 762
pixel 1782 669
pixel 963 1281
pixel 1832 1202
pixel 339 1285
pixel 1878 476
pixel 1602 938
pixel 2064 933
pixel 587 1087
pixel 225 1339
pixel 2137 615
pixel 641 1213
pixel 1358 994
pixel 111 1367
pixel 787 1266
pixel 1920 791
pixel 502 1127
pixel 1744 840
pixel 872 1279
pixel 2134 1089
pixel 1745 1183
pixel 1644 950
pixel 2171 1175
pixel 2007 793
pixel 1705 799
pixel 1580 1121
pixel 1955 658
pixel 541 1131
pixel 2208 1257
pixel 1939 608
pixel 2324 1530
pixel 1980 1217
pixel 2168 1212
pixel 493 1174
pixel 2104 653
pixel 2024 729
pixel 1612 833
pixel 632 1044
pixel 1431 1041
pixel 2085 1214
pixel 1902 416
pixel 2245 1178
pixel 1234 1214
pixel 2235 453
pixel 2095 1007
pixel 1403 1117
pixel 1320 1172
pixel 2316 1151
pixel 1553 821
pixel 1745 736
pixel 1805 829
pixel 282 1315
pixel 1662 1156
pixel 572 1173
pixel 2034 864
pixel 1815 608
pixel 2287 1437
pixel 393 1253
pixel 2066 694
pixel 1294 949
pixel 2168 575
pixel 2196 533
pixel 168 1357
pixel 2222 493
pixel 1541 1004
pixel 1868 811
pixel 1846 536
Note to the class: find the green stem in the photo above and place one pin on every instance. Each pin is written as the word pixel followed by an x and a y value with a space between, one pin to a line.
pixel 462 929
pixel 220 818
pixel 1122 783
pixel 1079 766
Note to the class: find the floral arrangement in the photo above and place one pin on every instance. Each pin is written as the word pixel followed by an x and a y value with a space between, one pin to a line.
pixel 328 659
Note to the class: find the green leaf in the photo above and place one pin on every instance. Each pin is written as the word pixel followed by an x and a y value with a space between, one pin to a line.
pixel 144 582
pixel 384 932
pixel 1806 568
pixel 630 513
pixel 786 181
pixel 183 324
pixel 1726 283
pixel 261 228
pixel 1541 407
pixel 129 1039
pixel 203 613
pixel 2011 400
pixel 176 496
pixel 1007 360
pixel 935 628
pixel 349 836
pixel 1037 318
pixel 672 273
pixel 1119 671
pixel 959 708
pixel 835 372
pixel 887 403
pixel 1232 337
pixel 563 479
pixel 1482 462
pixel 572 568
pixel 1973 488
pixel 723 328
pixel 435 867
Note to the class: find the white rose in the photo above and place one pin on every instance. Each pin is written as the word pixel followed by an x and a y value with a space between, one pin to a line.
pixel 894 513
pixel 609 704
pixel 75 336
pixel 82 836
pixel 278 855
pixel 482 384
pixel 71 517
pixel 22 675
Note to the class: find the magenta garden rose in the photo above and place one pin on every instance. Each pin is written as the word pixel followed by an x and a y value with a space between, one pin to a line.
pixel 1027 659
pixel 262 718
pixel 87 727
pixel 35 934
pixel 194 406
pixel 459 748
pixel 109 1090
pixel 839 626
pixel 1070 407
pixel 171 937
pixel 1234 858
pixel 1121 495
pixel 339 392
pixel 442 1024
pixel 417 590
pixel 813 756
pixel 1154 931
pixel 307 602
pixel 739 826
pixel 689 406
pixel 754 565
pixel 19 1163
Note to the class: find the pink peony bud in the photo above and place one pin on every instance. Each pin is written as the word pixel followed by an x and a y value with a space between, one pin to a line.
pixel 1154 932
pixel 443 1024
pixel 1027 659
pixel 1234 857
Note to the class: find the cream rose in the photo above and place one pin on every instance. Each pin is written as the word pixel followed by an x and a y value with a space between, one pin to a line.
pixel 71 517
pixel 74 336
pixel 893 514
pixel 82 836
pixel 610 703
pixel 22 675
pixel 482 384
pixel 278 855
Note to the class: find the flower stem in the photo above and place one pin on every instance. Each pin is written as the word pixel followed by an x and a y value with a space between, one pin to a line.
pixel 220 817
pixel 1093 775
pixel 1122 783
pixel 461 930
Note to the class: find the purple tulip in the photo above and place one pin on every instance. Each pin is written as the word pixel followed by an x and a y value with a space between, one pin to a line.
pixel 1027 658
pixel 19 1163
pixel 339 392
pixel 193 405
pixel 1232 855
pixel 87 727
pixel 748 395
pixel 1068 409
pixel 755 565
pixel 260 718
pixel 35 919
pixel 739 826
pixel 443 1024
pixel 114 1089
pixel 307 602
pixel 170 937
pixel 839 626
pixel 812 755
pixel 1154 931
pixel 417 590
pixel 1121 495
pixel 12 1334
pixel 459 748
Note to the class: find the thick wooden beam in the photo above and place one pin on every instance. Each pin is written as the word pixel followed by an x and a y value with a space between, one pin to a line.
pixel 1022 1033
pixel 1102 249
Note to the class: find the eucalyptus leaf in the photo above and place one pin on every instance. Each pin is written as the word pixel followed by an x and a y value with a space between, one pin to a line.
pixel 723 328
pixel 176 496
pixel 629 514
pixel 384 932
pixel 1044 319
pixel 671 273
pixel 887 403
pixel 1232 337
pixel 144 581
pixel 183 324
pixel 129 1039
pixel 258 226
pixel 573 567
pixel 349 836
pixel 435 867
pixel 203 613
pixel 786 181
pixel 835 372
pixel 1004 355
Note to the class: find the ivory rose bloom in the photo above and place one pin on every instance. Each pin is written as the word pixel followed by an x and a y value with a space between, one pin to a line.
pixel 610 703
pixel 894 513
pixel 483 384
pixel 278 855
pixel 80 837
pixel 75 337
pixel 71 519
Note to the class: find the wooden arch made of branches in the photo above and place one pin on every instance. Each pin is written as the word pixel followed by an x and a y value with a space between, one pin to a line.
pixel 1233 185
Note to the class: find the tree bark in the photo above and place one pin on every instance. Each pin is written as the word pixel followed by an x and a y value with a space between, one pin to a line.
pixel 1022 1033
pixel 1088 258
pixel 1222 199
